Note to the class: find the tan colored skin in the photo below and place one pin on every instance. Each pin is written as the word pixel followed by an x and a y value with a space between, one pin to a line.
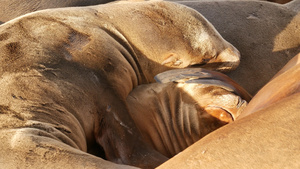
pixel 11 9
pixel 172 116
pixel 66 73
pixel 293 62
pixel 267 35
pixel 268 138
pixel 266 135
pixel 284 84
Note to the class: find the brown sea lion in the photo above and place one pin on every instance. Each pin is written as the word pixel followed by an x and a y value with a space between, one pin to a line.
pixel 173 115
pixel 11 9
pixel 66 74
pixel 266 136
pixel 267 35
pixel 284 84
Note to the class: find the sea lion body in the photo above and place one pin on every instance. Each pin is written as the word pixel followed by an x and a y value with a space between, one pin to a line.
pixel 172 116
pixel 66 74
pixel 11 9
pixel 266 135
pixel 284 84
pixel 293 5
pixel 265 139
pixel 266 34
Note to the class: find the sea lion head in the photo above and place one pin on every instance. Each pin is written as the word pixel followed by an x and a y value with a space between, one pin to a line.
pixel 205 47
pixel 217 95
pixel 183 109
pixel 175 36
pixel 217 101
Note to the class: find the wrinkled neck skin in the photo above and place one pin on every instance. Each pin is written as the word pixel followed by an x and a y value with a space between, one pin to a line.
pixel 104 61
pixel 186 39
pixel 77 62
pixel 178 114
pixel 128 53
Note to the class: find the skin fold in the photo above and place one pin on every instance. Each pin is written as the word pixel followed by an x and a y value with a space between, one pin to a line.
pixel 244 24
pixel 66 74
pixel 266 135
pixel 173 115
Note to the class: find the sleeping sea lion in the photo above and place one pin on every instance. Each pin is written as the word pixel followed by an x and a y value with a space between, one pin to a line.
pixel 267 35
pixel 284 84
pixel 66 74
pixel 175 114
pixel 266 135
pixel 268 138
pixel 11 9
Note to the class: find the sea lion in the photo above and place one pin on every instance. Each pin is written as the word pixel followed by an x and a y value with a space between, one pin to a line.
pixel 173 115
pixel 284 84
pixel 11 9
pixel 266 136
pixel 267 35
pixel 66 74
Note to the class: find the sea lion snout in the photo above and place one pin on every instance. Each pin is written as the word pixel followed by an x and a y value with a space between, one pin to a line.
pixel 227 60
pixel 232 58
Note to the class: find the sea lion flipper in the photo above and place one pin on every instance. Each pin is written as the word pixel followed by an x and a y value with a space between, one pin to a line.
pixel 177 75
pixel 214 82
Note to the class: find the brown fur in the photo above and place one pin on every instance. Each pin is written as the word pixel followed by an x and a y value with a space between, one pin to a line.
pixel 11 9
pixel 268 138
pixel 267 35
pixel 172 116
pixel 66 73
pixel 284 84
pixel 266 135
pixel 294 5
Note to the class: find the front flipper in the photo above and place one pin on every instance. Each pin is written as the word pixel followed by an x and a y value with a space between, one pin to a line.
pixel 180 75
pixel 214 82
pixel 202 76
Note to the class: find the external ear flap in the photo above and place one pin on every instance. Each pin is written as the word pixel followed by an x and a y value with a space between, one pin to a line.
pixel 182 75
